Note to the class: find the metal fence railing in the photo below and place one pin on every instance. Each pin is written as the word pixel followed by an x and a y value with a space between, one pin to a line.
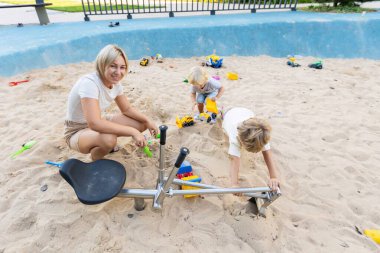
pixel 129 7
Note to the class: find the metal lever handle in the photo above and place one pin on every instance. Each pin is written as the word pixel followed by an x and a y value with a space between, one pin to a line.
pixel 163 129
pixel 181 157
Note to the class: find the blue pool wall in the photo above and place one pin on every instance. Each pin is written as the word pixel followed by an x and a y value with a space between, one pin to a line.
pixel 276 34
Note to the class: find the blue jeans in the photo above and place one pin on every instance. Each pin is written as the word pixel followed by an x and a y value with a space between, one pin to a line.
pixel 201 98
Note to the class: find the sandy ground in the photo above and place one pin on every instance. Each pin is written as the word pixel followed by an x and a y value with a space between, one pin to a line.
pixel 326 142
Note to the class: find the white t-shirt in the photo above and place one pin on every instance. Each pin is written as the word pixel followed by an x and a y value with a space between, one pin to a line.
pixel 231 121
pixel 211 86
pixel 90 86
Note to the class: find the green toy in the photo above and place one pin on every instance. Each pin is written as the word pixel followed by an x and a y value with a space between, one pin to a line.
pixel 316 65
pixel 150 142
pixel 147 151
pixel 24 147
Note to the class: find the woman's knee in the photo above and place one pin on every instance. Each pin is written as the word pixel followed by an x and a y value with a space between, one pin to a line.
pixel 108 141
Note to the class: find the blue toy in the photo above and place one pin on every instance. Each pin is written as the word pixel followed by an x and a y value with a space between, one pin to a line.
pixel 185 173
pixel 185 168
pixel 214 61
pixel 59 165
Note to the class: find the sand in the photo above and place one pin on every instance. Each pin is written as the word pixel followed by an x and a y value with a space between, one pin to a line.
pixel 326 142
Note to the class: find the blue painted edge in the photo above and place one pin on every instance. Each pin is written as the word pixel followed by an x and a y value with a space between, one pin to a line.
pixel 276 34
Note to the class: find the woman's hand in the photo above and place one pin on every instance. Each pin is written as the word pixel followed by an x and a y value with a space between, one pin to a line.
pixel 274 184
pixel 152 128
pixel 139 139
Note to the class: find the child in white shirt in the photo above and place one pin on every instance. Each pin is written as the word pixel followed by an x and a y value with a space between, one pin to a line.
pixel 253 134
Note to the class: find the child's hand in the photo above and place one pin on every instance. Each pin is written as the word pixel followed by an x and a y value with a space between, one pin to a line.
pixel 274 184
pixel 213 98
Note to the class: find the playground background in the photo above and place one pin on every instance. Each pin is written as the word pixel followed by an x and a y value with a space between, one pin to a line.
pixel 326 137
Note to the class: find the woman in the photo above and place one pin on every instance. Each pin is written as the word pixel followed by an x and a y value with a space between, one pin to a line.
pixel 87 130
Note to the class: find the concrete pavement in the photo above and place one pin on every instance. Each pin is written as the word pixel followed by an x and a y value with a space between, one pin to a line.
pixel 27 15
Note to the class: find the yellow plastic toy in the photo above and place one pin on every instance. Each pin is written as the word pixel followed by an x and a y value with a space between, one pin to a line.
pixel 213 57
pixel 373 234
pixel 184 121
pixel 194 178
pixel 204 116
pixel 232 76
pixel 211 106
pixel 292 61
pixel 144 62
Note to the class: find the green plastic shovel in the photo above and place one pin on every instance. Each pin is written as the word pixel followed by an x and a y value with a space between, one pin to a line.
pixel 147 151
pixel 150 142
pixel 24 147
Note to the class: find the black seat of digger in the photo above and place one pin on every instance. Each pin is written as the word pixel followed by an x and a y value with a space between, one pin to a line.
pixel 94 182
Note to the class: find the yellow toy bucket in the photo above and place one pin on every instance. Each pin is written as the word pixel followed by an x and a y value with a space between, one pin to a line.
pixel 211 106
pixel 373 234
pixel 232 76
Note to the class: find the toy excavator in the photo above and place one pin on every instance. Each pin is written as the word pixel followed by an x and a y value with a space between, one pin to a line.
pixel 185 121
pixel 214 61
pixel 208 116
pixel 292 62
pixel 211 111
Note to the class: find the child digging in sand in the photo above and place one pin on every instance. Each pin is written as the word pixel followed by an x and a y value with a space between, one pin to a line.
pixel 252 134
pixel 203 87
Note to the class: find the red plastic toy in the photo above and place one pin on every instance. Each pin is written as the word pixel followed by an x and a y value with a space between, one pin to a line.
pixel 17 82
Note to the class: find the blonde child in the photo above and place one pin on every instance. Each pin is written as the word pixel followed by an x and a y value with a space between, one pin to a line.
pixel 252 134
pixel 203 87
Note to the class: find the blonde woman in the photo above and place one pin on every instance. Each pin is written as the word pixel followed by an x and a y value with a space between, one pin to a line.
pixel 203 87
pixel 252 134
pixel 87 128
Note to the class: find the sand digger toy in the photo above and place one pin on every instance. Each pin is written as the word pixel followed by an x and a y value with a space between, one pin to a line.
pixel 185 121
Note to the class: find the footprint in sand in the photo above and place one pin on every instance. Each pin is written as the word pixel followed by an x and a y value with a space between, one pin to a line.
pixel 350 169
pixel 335 137
pixel 142 163
pixel 128 149
pixel 360 155
pixel 216 133
pixel 355 208
pixel 161 113
pixel 373 128
pixel 24 223
pixel 362 180
pixel 233 205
